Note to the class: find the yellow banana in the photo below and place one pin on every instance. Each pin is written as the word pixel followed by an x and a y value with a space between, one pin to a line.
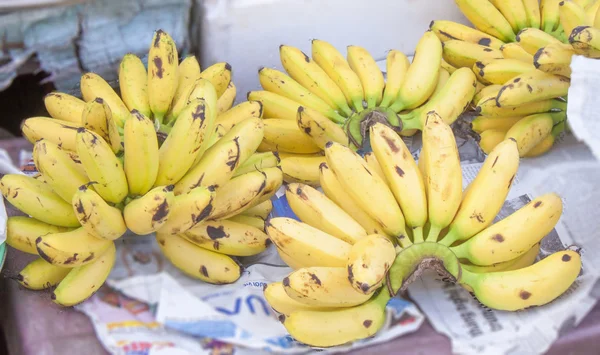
pixel 369 261
pixel 141 157
pixel 280 302
pixel 307 244
pixel 255 222
pixel 494 181
pixel 490 138
pixel 323 287
pixel 319 128
pixel 187 73
pixel 93 86
pixel 163 61
pixel 486 18
pixel 219 75
pixel 534 285
pixel 178 152
pixel 257 161
pixel 444 176
pixel 187 210
pixel 341 326
pixel 366 188
pixel 286 136
pixel 402 175
pixel 238 194
pixel 240 112
pixel 532 129
pixel 500 71
pixel 133 81
pixel 40 274
pixel 514 12
pixel 114 132
pixel 530 87
pixel 513 235
pixel 201 89
pixel 421 77
pixel 274 105
pixel 317 210
pixel 591 13
pixel 22 231
pixel 571 16
pixel 484 123
pixel 101 166
pixel 522 261
pixel 547 143
pixel 487 107
pixel 310 75
pixel 64 107
pixel 334 190
pixel 447 30
pixel 532 39
pixel 338 69
pixel 281 84
pixel 95 117
pixel 35 198
pixel 461 54
pixel 150 212
pixel 71 249
pixel 226 100
pixel 371 77
pixel 219 163
pixel 96 216
pixel 261 210
pixel 442 80
pixel 586 41
pixel 302 169
pixel 56 131
pixel 554 59
pixel 59 170
pixel 373 164
pixel 515 51
pixel 532 9
pixel 82 282
pixel 228 237
pixel 199 263
pixel 274 180
pixel 550 15
pixel 397 65
pixel 488 91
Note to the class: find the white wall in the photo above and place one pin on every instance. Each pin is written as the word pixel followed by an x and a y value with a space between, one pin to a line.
pixel 247 33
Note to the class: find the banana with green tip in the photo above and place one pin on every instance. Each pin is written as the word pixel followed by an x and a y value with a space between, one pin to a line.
pixel 59 170
pixel 238 194
pixel 187 210
pixel 531 87
pixel 499 71
pixel 486 18
pixel 532 10
pixel 226 100
pixel 494 181
pixel 334 190
pixel 534 285
pixel 531 130
pixel 82 282
pixel 421 77
pixel 93 86
pixel 586 41
pixel 520 262
pixel 487 107
pixel 40 274
pixel 96 216
pixel 444 174
pixel 550 15
pixel 279 83
pixel 38 200
pixel 366 188
pixel 402 175
pixel 514 235
pixel 554 59
pixel 71 249
pixel 149 212
pixel 133 81
pixel 228 237
pixel 94 117
pixel 371 77
pixel 163 62
pixel 547 143
pixel 317 210
pixel 102 166
pixel 280 302
pixel 303 169
pixel 310 75
pixel 324 287
pixel 219 75
pixel 141 157
pixel 447 30
pixel 22 231
pixel 514 50
pixel 199 263
pixel 219 162
pixel 188 72
pixel 114 132
pixel 514 12
pixel 240 112
pixel 340 326
pixel 309 245
pixel 338 69
pixel 56 131
pixel 369 261
pixel 461 54
pixel 64 107
pixel 397 65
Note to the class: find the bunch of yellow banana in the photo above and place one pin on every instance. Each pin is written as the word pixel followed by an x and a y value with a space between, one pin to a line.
pixel 169 156
pixel 383 218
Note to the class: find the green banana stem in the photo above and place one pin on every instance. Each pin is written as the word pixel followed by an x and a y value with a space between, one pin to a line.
pixel 357 126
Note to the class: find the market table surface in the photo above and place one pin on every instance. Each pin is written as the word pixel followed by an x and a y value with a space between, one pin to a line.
pixel 34 325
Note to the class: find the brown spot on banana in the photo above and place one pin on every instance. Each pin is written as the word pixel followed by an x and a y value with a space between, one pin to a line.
pixel 484 42
pixel 537 204
pixel 495 161
pixel 390 143
pixel 159 34
pixel 399 171
pixel 529 88
pixel 71 259
pixel 204 270
pixel 315 279
pixel 161 212
pixel 215 233
pixel 286 281
pixel 524 294
pixel 566 258
pixel 199 113
pixel 367 323
pixel 159 67
pixel 498 237
pixel 90 257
